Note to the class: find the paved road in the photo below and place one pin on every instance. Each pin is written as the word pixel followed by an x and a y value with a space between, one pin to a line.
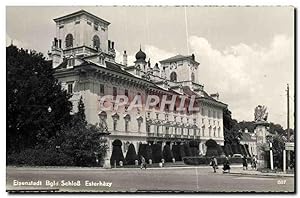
pixel 173 179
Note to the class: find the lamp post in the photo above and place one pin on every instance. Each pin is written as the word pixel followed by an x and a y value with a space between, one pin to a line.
pixel 270 141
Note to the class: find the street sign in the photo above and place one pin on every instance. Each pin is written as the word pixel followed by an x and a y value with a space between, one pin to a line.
pixel 289 146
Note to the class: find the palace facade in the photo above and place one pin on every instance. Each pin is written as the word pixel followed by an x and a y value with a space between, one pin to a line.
pixel 84 62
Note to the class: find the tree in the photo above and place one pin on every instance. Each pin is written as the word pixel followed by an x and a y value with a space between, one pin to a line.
pixel 131 155
pixel 37 107
pixel 212 148
pixel 117 154
pixel 167 155
pixel 83 142
pixel 156 152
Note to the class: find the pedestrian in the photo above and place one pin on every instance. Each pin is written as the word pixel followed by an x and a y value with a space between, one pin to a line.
pixel 143 163
pixel 254 162
pixel 226 166
pixel 245 164
pixel 214 163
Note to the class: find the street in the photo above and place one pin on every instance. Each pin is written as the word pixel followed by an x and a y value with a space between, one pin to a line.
pixel 200 179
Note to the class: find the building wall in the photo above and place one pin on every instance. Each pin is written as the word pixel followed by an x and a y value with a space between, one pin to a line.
pixel 82 32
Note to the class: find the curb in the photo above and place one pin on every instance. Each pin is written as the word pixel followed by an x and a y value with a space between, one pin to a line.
pixel 263 175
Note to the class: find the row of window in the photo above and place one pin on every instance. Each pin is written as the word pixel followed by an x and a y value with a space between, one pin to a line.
pixel 69 41
pixel 173 77
pixel 211 113
pixel 216 132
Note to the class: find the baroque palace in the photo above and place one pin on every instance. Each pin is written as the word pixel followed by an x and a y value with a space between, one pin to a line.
pixel 84 62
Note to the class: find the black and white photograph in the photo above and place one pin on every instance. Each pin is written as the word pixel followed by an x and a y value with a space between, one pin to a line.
pixel 150 99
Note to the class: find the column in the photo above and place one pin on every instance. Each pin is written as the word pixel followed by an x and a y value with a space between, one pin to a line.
pixel 108 154
pixel 284 161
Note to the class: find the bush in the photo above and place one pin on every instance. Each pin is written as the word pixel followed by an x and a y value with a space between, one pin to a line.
pixel 220 150
pixel 131 155
pixel 156 153
pixel 206 160
pixel 182 151
pixel 187 150
pixel 235 149
pixel 167 155
pixel 227 150
pixel 176 152
pixel 148 154
pixel 117 154
pixel 211 143
pixel 39 157
pixel 211 152
pixel 194 143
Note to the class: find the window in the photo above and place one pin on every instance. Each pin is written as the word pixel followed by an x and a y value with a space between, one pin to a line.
pixel 126 92
pixel 69 40
pixel 77 22
pixel 126 126
pixel 167 130
pixel 70 88
pixel 214 132
pixel 193 77
pixel 101 60
pixel 96 42
pixel 71 62
pixel 202 111
pixel 148 128
pixel 173 77
pixel 203 131
pixel 101 89
pixel 115 125
pixel 219 132
pixel 115 92
pixel 209 130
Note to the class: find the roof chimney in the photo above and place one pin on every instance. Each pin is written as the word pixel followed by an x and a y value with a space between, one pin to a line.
pixel 108 44
pixel 125 58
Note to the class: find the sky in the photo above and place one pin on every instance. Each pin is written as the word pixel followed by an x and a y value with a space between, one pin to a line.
pixel 246 54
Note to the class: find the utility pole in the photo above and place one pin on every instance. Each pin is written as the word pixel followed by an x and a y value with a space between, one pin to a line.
pixel 288 124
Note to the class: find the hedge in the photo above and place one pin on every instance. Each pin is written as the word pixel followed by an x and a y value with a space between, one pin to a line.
pixel 156 153
pixel 40 157
pixel 187 150
pixel 167 155
pixel 145 151
pixel 181 151
pixel 206 160
pixel 117 154
pixel 176 152
pixel 131 155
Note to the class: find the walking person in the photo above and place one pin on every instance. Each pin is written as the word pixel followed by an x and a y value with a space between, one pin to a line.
pixel 226 166
pixel 214 163
pixel 143 163
pixel 254 162
pixel 245 163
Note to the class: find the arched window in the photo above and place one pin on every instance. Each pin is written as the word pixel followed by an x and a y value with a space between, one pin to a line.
pixel 96 42
pixel 173 77
pixel 193 77
pixel 69 40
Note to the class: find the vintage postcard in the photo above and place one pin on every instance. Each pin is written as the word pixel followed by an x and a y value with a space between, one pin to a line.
pixel 150 99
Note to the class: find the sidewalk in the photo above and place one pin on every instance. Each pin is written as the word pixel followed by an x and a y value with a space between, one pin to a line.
pixel 240 171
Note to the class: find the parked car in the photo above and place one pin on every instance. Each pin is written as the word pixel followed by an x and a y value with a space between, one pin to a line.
pixel 237 155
